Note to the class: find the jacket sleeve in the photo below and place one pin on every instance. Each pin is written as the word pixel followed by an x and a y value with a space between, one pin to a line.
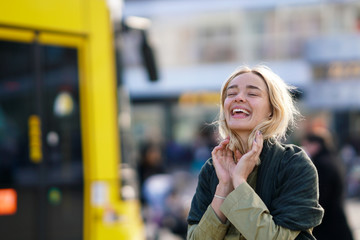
pixel 210 227
pixel 247 212
pixel 202 220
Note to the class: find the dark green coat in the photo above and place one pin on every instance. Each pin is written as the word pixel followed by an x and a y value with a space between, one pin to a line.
pixel 287 182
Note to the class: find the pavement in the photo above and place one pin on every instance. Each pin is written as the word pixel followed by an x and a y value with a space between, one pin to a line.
pixel 352 208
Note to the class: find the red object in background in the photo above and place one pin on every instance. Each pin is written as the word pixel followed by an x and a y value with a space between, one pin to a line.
pixel 8 201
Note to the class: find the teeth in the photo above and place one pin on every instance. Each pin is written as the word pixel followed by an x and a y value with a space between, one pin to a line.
pixel 239 110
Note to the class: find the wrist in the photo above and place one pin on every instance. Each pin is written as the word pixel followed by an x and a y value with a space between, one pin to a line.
pixel 224 189
pixel 238 181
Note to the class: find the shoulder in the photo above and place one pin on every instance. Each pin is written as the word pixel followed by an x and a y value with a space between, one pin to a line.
pixel 290 150
pixel 293 154
pixel 207 177
pixel 205 190
pixel 287 160
pixel 207 170
pixel 208 180
pixel 276 153
pixel 295 161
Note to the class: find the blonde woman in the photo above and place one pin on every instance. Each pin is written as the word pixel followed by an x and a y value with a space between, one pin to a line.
pixel 255 187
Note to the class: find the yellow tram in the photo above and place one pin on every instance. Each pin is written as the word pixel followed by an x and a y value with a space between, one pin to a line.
pixel 59 133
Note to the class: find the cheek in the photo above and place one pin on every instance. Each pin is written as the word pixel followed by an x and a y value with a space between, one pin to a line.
pixel 266 108
pixel 264 111
pixel 226 105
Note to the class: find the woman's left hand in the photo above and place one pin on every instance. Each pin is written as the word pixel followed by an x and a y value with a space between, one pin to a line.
pixel 247 162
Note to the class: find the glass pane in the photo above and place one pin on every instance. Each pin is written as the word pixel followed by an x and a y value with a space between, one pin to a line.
pixel 16 170
pixel 64 169
pixel 50 192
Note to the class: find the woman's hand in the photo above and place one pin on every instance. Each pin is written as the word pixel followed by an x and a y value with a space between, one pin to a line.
pixel 224 163
pixel 247 162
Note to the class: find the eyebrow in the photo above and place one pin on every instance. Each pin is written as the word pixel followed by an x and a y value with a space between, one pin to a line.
pixel 247 86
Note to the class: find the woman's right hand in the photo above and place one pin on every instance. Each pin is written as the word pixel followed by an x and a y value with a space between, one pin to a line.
pixel 224 164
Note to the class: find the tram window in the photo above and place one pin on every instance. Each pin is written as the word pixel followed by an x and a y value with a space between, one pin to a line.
pixel 16 89
pixel 16 105
pixel 50 190
pixel 15 60
pixel 61 110
pixel 62 142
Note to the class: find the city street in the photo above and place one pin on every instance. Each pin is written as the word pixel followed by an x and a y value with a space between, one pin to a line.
pixel 352 207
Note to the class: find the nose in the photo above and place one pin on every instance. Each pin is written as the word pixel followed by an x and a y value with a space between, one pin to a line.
pixel 240 97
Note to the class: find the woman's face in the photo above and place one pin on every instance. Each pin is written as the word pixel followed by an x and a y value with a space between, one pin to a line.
pixel 247 103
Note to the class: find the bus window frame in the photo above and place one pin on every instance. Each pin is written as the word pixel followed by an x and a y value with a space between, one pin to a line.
pixel 16 35
pixel 61 40
pixel 77 42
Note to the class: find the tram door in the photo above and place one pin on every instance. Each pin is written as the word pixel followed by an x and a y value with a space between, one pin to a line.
pixel 41 169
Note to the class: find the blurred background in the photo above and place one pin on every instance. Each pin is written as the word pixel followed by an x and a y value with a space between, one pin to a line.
pixel 168 61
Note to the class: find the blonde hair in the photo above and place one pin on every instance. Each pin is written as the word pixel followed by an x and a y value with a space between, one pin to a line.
pixel 283 110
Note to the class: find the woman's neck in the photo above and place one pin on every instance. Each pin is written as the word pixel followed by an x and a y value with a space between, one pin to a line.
pixel 244 137
pixel 242 141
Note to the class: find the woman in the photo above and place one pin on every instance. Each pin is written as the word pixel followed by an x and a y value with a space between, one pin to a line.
pixel 254 187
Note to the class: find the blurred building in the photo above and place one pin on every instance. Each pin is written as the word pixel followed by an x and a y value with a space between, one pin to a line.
pixel 312 44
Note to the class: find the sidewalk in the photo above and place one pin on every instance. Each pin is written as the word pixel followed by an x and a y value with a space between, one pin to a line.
pixel 352 207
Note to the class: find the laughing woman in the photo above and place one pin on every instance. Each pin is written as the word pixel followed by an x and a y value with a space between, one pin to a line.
pixel 255 187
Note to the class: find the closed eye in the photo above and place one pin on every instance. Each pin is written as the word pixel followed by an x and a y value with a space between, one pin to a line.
pixel 231 93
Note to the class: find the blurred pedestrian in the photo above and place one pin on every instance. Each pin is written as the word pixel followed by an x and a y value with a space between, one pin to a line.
pixel 202 146
pixel 151 163
pixel 320 147
pixel 255 187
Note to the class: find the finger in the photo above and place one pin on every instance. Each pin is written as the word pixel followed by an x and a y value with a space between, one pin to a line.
pixel 259 145
pixel 217 152
pixel 259 141
pixel 238 155
pixel 224 142
pixel 255 147
pixel 253 153
pixel 221 145
pixel 229 154
pixel 259 138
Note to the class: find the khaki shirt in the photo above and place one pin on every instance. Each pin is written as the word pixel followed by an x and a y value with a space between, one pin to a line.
pixel 248 218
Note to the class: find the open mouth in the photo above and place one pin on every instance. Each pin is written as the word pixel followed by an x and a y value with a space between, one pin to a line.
pixel 240 112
